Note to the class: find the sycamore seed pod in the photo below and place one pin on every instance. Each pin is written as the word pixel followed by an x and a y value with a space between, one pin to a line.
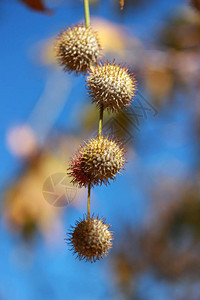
pixel 111 85
pixel 77 170
pixel 76 48
pixel 97 161
pixel 90 239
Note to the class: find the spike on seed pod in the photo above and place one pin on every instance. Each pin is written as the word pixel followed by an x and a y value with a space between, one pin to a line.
pixel 76 48
pixel 97 161
pixel 90 239
pixel 111 85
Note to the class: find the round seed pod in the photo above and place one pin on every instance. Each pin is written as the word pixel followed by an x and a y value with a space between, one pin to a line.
pixel 97 161
pixel 90 239
pixel 111 85
pixel 77 171
pixel 76 48
pixel 195 4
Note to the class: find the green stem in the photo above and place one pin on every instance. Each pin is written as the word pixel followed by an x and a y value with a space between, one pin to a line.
pixel 88 204
pixel 100 119
pixel 87 24
pixel 87 13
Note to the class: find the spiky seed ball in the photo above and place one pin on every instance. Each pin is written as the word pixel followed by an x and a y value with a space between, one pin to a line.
pixel 195 4
pixel 90 239
pixel 97 161
pixel 77 171
pixel 111 85
pixel 76 48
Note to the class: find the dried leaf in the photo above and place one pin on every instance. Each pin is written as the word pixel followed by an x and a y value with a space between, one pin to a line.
pixel 121 3
pixel 37 5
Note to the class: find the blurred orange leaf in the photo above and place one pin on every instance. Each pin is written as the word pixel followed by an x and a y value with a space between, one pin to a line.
pixel 37 5
pixel 121 3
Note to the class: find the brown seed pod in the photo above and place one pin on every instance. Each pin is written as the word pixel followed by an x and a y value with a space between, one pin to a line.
pixel 195 4
pixel 97 161
pixel 111 85
pixel 76 48
pixel 77 170
pixel 90 239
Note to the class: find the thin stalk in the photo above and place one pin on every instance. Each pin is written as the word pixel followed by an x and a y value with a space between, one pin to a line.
pixel 87 24
pixel 88 204
pixel 87 13
pixel 100 119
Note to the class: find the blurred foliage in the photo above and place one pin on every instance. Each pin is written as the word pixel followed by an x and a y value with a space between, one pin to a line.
pixel 121 3
pixel 175 66
pixel 25 209
pixel 182 32
pixel 40 5
pixel 196 4
pixel 37 5
pixel 168 246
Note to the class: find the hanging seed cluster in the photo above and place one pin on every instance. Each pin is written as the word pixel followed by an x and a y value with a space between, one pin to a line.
pixel 99 159
pixel 90 239
pixel 111 85
pixel 76 48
